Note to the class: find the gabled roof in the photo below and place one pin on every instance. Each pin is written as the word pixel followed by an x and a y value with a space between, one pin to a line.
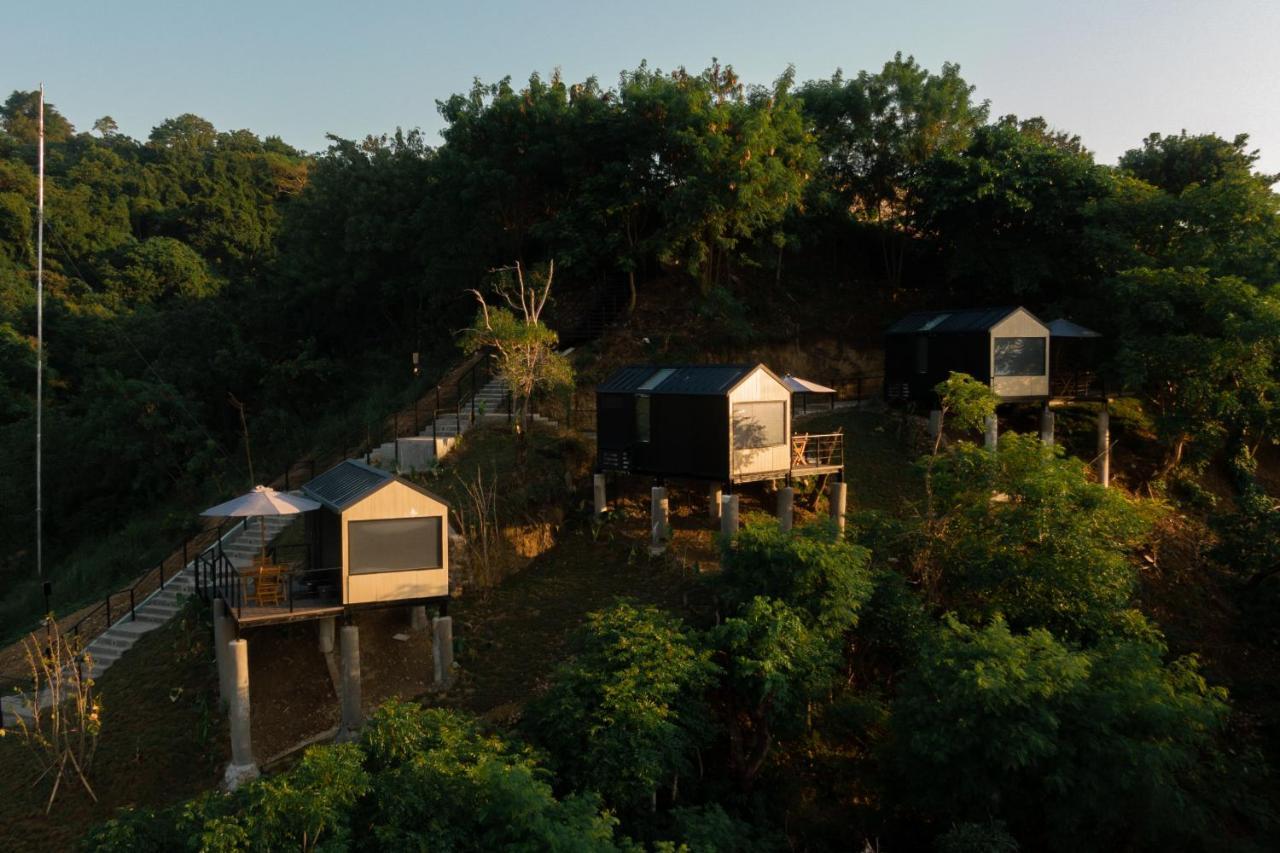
pixel 345 483
pixel 351 481
pixel 1064 328
pixel 710 379
pixel 944 322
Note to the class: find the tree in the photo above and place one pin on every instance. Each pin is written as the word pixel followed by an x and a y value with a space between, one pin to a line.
pixel 1024 532
pixel 1109 747
pixel 106 127
pixel 1203 353
pixel 20 118
pixel 524 346
pixel 1019 194
pixel 876 131
pixel 626 714
pixel 792 597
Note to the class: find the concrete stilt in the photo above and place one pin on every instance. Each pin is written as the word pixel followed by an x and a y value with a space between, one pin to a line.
pixel 417 618
pixel 222 636
pixel 599 503
pixel 839 501
pixel 660 526
pixel 1104 446
pixel 242 767
pixel 715 493
pixel 352 715
pixel 1046 426
pixel 729 515
pixel 992 437
pixel 442 650
pixel 935 423
pixel 325 629
pixel 786 507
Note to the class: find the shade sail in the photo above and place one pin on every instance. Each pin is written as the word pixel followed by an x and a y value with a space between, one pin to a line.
pixel 804 386
pixel 262 501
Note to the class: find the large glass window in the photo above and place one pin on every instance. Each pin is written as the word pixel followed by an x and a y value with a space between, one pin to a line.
pixel 1020 356
pixel 394 545
pixel 642 418
pixel 759 425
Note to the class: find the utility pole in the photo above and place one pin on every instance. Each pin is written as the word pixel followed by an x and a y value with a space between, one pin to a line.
pixel 44 584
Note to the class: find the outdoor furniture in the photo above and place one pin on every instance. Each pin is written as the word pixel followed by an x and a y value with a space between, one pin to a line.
pixel 268 586
pixel 798 445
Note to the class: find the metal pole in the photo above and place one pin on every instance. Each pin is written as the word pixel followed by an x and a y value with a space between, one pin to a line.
pixel 44 585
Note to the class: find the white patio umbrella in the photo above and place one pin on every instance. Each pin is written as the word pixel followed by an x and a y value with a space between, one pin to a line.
pixel 259 502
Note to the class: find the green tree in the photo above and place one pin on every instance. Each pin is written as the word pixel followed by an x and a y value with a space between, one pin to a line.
pixel 1109 747
pixel 1203 354
pixel 877 130
pixel 20 118
pixel 1009 211
pixel 1026 533
pixel 626 714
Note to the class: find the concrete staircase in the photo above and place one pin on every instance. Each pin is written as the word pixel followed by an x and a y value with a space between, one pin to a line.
pixel 241 545
pixel 435 441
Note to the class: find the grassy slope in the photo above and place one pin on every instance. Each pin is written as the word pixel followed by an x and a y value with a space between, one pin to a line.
pixel 163 741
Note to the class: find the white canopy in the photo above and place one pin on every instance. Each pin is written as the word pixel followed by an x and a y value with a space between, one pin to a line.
pixel 262 501
pixel 804 386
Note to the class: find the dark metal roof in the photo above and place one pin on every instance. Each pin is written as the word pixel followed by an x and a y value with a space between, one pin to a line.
pixel 713 379
pixel 950 322
pixel 345 483
pixel 1064 328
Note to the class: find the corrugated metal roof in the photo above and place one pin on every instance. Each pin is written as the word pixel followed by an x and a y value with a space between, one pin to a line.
pixel 345 483
pixel 682 379
pixel 1064 328
pixel 942 322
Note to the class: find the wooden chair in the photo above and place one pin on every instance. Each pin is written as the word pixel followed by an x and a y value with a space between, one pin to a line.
pixel 268 586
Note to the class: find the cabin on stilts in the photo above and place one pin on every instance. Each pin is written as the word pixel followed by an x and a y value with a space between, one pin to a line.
pixel 718 423
pixel 377 540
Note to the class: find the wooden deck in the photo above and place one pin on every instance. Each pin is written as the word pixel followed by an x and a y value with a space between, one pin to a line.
pixel 252 615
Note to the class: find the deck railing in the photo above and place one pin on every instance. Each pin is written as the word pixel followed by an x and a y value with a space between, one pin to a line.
pixel 817 451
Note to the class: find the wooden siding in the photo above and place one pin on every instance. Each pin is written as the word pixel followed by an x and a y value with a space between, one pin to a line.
pixel 395 500
pixel 759 387
pixel 1019 324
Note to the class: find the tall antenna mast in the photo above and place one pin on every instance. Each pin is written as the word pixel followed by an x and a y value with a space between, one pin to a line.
pixel 44 584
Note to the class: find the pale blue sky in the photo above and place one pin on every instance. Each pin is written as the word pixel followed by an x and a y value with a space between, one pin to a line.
pixel 1110 71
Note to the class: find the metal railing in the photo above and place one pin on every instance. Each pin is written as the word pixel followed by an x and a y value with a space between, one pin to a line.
pixel 817 451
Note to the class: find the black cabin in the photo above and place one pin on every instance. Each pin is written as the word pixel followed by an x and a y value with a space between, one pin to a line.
pixel 1008 348
pixel 724 423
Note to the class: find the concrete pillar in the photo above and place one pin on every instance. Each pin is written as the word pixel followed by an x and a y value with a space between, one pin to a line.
pixel 715 493
pixel 417 618
pixel 222 636
pixel 729 515
pixel 786 507
pixel 935 423
pixel 352 716
pixel 242 767
pixel 442 650
pixel 1104 446
pixel 838 499
pixel 1046 425
pixel 598 493
pixel 992 437
pixel 325 629
pixel 660 515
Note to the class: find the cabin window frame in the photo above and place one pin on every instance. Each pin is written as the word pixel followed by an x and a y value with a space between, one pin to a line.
pixel 356 560
pixel 1016 363
pixel 777 421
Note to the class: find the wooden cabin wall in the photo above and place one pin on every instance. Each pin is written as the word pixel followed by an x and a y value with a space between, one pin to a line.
pixel 760 387
pixel 395 500
pixel 1019 324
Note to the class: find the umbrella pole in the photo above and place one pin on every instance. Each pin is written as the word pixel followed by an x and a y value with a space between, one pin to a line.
pixel 262 531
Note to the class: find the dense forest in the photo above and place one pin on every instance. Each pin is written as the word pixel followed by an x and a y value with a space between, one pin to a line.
pixel 1011 693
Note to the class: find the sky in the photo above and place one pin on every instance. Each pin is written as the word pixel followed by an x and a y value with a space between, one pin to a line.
pixel 1111 72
